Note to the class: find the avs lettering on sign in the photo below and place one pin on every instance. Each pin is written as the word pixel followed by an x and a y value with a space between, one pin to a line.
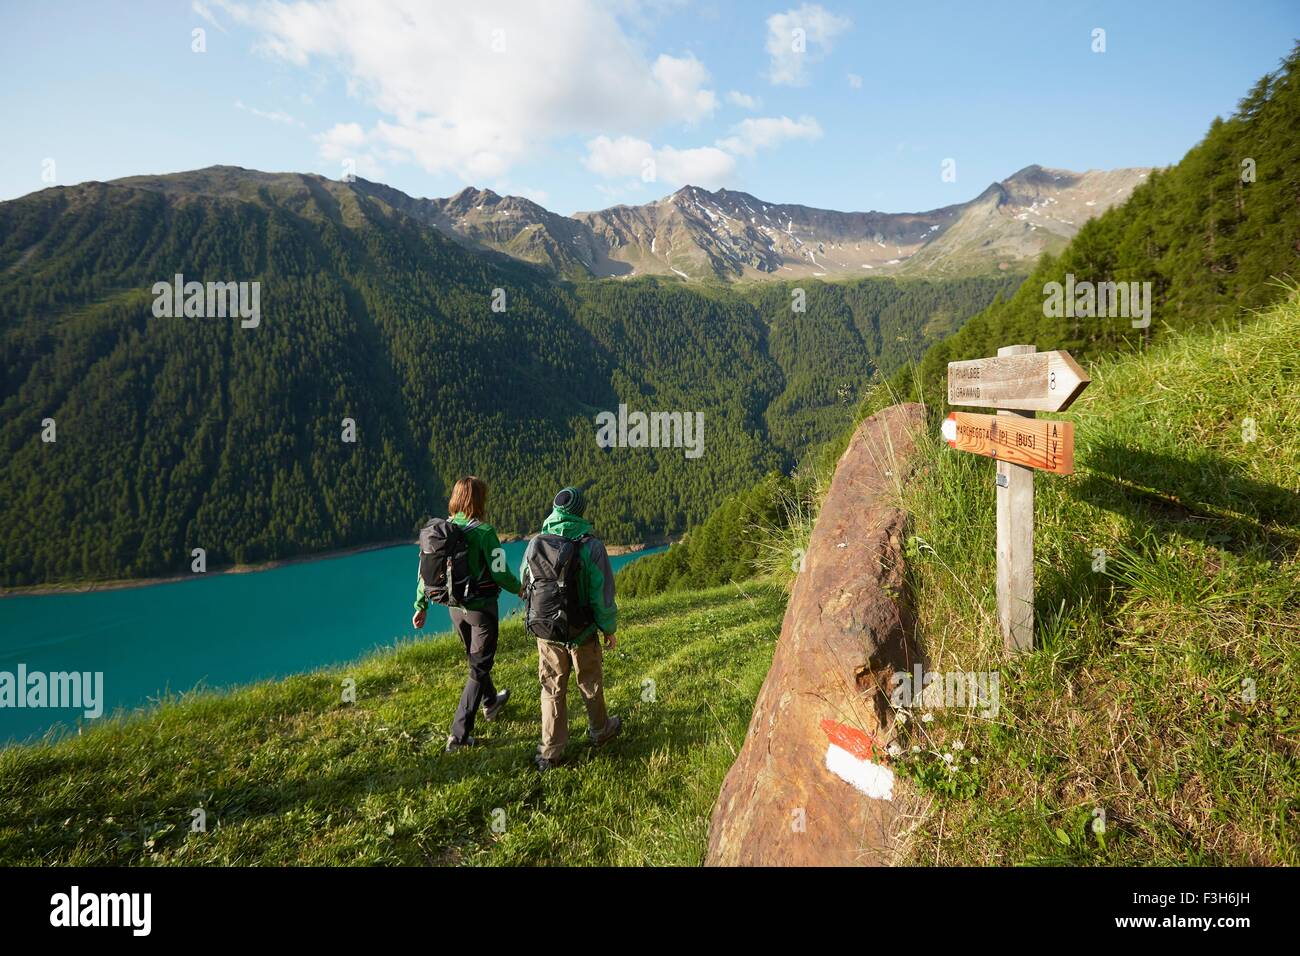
pixel 1032 442
pixel 1030 382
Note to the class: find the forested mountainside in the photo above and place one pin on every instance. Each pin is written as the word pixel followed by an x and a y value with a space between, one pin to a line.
pixel 130 439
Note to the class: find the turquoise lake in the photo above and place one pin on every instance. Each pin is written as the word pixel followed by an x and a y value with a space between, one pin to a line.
pixel 219 630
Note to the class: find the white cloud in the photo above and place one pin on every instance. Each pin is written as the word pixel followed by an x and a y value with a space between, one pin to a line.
pixel 505 187
pixel 797 37
pixel 682 80
pixel 626 156
pixel 344 144
pixel 539 196
pixel 342 139
pixel 743 100
pixel 855 81
pixel 203 10
pixel 749 136
pixel 275 116
pixel 474 89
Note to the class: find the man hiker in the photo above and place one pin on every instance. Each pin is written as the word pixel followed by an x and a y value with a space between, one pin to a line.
pixel 463 566
pixel 568 587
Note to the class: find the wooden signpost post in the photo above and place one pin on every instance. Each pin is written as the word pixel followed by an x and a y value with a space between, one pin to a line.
pixel 1018 382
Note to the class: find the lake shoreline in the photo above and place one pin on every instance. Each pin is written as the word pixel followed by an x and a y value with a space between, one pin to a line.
pixel 121 584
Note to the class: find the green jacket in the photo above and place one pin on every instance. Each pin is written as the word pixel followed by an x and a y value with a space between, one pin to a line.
pixel 483 546
pixel 595 576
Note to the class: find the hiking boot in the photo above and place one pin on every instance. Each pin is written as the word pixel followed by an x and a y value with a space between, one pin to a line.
pixel 490 712
pixel 544 764
pixel 613 727
pixel 453 744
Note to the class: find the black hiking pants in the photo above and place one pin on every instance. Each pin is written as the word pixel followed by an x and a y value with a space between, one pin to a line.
pixel 478 632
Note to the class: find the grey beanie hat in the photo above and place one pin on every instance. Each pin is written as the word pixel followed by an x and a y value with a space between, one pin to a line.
pixel 572 500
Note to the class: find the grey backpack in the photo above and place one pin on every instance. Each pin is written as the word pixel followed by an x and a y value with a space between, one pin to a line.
pixel 555 608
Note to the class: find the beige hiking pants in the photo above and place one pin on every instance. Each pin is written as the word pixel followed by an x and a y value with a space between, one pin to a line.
pixel 554 662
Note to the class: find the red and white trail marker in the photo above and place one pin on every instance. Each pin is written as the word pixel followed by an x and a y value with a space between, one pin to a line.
pixel 949 429
pixel 851 756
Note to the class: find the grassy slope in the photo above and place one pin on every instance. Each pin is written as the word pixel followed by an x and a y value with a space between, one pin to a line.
pixel 1137 702
pixel 289 774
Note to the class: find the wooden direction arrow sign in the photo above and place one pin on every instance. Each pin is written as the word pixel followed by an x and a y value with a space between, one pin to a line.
pixel 1033 442
pixel 1030 381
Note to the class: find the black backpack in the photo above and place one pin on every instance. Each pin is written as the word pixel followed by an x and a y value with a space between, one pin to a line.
pixel 555 609
pixel 444 563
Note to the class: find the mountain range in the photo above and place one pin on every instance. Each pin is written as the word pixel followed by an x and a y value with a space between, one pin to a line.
pixel 728 235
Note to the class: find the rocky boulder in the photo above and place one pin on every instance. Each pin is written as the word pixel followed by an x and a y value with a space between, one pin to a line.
pixel 811 785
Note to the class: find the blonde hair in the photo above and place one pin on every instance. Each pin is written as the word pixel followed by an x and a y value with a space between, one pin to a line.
pixel 469 496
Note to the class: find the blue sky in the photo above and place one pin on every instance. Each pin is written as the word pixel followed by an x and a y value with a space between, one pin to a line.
pixel 580 104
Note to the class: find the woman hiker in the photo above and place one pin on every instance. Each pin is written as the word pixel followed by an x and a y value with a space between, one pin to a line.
pixel 463 565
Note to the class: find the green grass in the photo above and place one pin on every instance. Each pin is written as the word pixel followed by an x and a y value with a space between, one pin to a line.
pixel 290 774
pixel 1163 695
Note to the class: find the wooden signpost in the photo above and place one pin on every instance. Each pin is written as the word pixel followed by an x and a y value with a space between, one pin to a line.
pixel 1018 382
